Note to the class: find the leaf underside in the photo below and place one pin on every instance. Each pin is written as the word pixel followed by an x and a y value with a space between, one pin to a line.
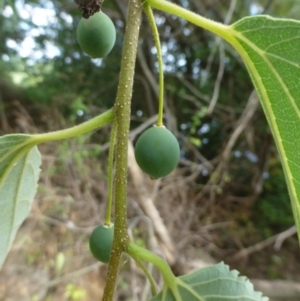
pixel 270 48
pixel 19 174
pixel 214 283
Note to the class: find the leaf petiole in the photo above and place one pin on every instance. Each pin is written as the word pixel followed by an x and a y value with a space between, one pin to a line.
pixel 83 128
pixel 148 275
pixel 137 252
pixel 215 27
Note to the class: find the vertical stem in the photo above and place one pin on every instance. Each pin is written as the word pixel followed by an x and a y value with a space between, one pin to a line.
pixel 111 173
pixel 122 112
pixel 122 115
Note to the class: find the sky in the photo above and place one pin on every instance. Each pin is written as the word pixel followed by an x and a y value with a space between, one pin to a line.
pixel 41 17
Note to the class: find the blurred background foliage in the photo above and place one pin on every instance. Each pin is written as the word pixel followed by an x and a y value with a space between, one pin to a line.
pixel 48 83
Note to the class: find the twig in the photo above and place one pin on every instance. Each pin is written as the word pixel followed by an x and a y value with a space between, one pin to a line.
pixel 283 236
pixel 218 81
pixel 217 42
pixel 69 224
pixel 241 124
pixel 278 289
pixel 68 277
pixel 278 239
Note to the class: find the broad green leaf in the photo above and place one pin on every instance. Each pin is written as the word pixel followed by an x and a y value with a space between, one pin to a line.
pixel 214 283
pixel 271 51
pixel 19 173
pixel 270 48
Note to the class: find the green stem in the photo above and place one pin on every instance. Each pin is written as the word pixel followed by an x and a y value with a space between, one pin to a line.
pixel 77 130
pixel 137 252
pixel 215 27
pixel 155 33
pixel 122 114
pixel 148 275
pixel 111 173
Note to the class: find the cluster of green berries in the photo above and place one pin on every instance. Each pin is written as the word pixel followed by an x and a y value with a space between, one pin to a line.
pixel 156 151
pixel 96 36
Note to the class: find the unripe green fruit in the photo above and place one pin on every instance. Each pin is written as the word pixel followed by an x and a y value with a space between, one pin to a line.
pixel 157 152
pixel 96 35
pixel 101 241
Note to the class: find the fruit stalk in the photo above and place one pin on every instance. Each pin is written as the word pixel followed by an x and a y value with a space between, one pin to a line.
pixel 122 114
pixel 140 253
pixel 155 33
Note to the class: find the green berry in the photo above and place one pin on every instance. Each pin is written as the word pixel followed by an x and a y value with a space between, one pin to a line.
pixel 157 152
pixel 96 35
pixel 101 241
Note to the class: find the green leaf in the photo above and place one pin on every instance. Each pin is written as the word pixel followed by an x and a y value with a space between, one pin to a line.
pixel 214 283
pixel 19 173
pixel 270 48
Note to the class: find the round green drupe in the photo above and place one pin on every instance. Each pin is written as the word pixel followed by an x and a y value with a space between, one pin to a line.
pixel 96 35
pixel 157 152
pixel 101 241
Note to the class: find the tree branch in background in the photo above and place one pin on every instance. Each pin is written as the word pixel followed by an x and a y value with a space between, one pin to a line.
pixel 278 239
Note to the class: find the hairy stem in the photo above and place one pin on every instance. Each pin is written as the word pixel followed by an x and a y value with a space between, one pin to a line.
pixel 122 114
pixel 111 173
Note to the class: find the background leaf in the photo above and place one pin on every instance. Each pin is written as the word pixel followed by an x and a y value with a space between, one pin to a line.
pixel 270 49
pixel 213 283
pixel 19 173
